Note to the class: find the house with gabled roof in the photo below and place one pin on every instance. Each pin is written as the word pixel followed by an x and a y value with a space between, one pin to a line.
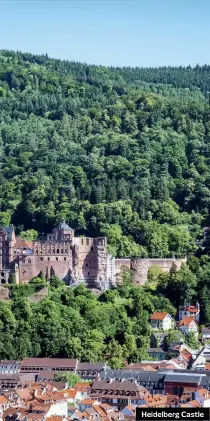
pixel 188 325
pixel 161 320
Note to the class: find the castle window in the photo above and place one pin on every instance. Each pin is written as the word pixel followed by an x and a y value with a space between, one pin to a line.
pixel 2 273
pixel 64 258
pixel 82 241
pixel 87 241
pixel 29 260
pixel 91 248
pixel 56 258
pixel 48 259
pixel 41 258
pixel 88 273
pixel 49 237
pixel 36 251
pixel 58 251
pixel 62 251
pixel 86 265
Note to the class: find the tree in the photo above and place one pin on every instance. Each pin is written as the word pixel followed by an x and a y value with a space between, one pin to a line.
pixel 55 282
pixel 192 341
pixel 29 235
pixel 70 378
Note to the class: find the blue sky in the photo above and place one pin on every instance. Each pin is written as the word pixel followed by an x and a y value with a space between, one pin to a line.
pixel 111 32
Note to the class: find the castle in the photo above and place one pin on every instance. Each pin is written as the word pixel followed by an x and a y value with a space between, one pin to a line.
pixel 60 253
pixel 73 259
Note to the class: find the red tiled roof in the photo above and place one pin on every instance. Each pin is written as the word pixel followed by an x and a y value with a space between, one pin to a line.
pixel 86 402
pixel 158 316
pixel 21 242
pixel 186 321
pixel 186 355
pixel 191 309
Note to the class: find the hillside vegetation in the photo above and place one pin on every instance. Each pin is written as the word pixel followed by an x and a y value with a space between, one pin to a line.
pixel 117 152
pixel 113 327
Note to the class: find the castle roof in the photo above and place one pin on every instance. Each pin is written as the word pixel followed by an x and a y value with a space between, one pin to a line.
pixel 64 226
pixel 9 231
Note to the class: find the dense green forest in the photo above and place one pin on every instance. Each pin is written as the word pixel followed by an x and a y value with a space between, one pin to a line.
pixel 112 326
pixel 119 152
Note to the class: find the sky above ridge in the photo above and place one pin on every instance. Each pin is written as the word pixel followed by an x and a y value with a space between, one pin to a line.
pixel 111 32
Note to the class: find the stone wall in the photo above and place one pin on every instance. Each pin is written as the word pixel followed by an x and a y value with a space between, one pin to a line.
pixel 140 267
pixel 4 293
pixel 31 266
pixel 119 265
pixel 39 296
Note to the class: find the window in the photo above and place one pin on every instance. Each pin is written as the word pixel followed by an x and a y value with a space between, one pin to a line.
pixel 41 258
pixel 56 258
pixel 88 273
pixel 87 241
pixel 29 260
pixel 57 251
pixel 2 273
pixel 91 248
pixel 48 259
pixel 64 258
pixel 86 265
pixel 49 237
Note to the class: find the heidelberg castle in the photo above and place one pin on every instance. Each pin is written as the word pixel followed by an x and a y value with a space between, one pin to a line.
pixel 72 259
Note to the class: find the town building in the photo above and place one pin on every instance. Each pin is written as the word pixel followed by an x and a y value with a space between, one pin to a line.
pixel 117 393
pixel 9 366
pixel 188 325
pixel 35 365
pixel 205 334
pixel 190 311
pixel 161 321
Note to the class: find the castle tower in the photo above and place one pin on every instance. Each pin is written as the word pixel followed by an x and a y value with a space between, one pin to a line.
pixel 62 233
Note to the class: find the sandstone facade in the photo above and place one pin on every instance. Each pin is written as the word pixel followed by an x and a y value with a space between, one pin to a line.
pixel 71 258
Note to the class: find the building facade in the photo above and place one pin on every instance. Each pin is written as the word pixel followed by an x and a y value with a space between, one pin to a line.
pixel 73 259
pixel 161 321
pixel 190 311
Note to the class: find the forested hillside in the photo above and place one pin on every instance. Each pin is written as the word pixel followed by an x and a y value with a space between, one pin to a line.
pixel 117 152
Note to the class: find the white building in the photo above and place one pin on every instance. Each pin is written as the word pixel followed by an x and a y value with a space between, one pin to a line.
pixel 205 331
pixel 188 325
pixel 190 311
pixel 161 321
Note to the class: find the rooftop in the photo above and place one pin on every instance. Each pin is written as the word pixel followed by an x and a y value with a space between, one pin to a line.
pixel 49 362
pixel 64 226
pixel 186 321
pixel 158 315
